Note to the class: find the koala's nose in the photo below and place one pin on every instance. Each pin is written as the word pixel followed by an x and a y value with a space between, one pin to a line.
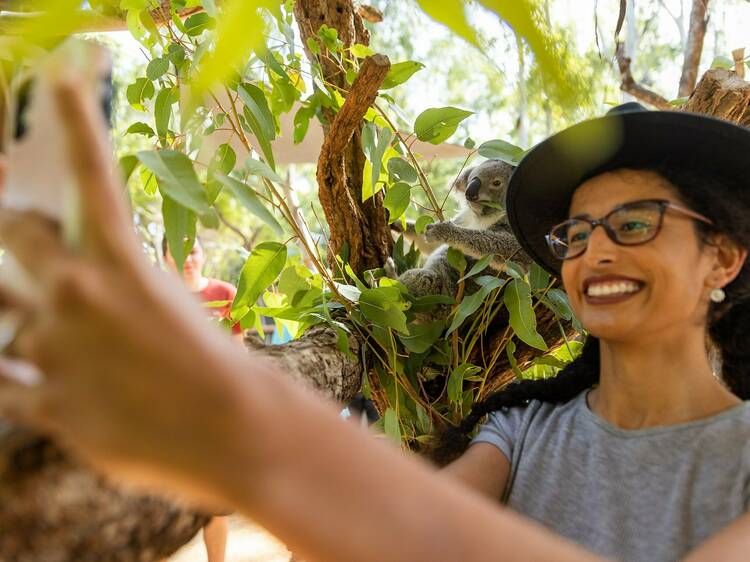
pixel 472 189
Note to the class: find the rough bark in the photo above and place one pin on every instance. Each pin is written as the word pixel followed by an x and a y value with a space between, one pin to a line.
pixel 315 361
pixel 53 509
pixel 359 229
pixel 694 47
pixel 721 93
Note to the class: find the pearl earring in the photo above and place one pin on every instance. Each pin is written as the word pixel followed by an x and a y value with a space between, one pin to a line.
pixel 718 295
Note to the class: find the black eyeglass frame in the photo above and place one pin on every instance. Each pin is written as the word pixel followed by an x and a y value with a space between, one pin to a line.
pixel 663 205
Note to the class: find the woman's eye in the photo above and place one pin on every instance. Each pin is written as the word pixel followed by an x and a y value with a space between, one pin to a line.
pixel 578 237
pixel 630 226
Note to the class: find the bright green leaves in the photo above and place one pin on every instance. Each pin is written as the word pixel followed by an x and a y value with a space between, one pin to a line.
pixel 422 337
pixel 397 199
pixel 163 112
pixel 239 29
pixel 250 200
pixel 375 143
pixel 261 269
pixel 383 306
pixel 400 73
pixel 501 150
pixel 452 14
pixel 140 91
pixel 457 260
pixel 198 23
pixel 177 178
pixel 469 305
pixel 179 227
pixel 517 298
pixel 259 118
pixel 437 124
pixel 157 68
pixel 140 128
pixel 456 381
pixel 400 170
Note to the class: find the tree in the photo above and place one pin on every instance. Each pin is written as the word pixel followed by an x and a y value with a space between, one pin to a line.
pixel 210 102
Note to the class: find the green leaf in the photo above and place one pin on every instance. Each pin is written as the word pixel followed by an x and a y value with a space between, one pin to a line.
pixel 127 166
pixel 313 45
pixel 258 168
pixel 239 30
pixel 379 305
pixel 538 277
pixel 401 170
pixel 176 177
pixel 500 150
pixel 510 351
pixel 302 122
pixel 422 223
pixel 457 260
pixel 470 304
pixel 138 92
pixel 397 199
pixel 452 14
pixel 163 113
pixel 251 124
pixel 514 270
pixel 391 426
pixel 557 301
pixel 179 227
pixel 437 124
pixel 517 298
pixel 456 380
pixel 400 73
pixel 361 51
pixel 480 265
pixel 722 62
pixel 198 23
pixel 255 100
pixel 342 343
pixel 422 336
pixel 250 200
pixel 225 158
pixel 261 269
pixel 157 68
pixel 140 128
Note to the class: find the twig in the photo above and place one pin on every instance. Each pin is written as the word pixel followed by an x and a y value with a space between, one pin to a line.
pixel 629 85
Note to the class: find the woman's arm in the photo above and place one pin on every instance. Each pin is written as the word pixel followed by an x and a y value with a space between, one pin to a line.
pixel 732 544
pixel 483 468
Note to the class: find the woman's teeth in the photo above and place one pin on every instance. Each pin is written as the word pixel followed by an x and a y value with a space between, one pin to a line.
pixel 612 289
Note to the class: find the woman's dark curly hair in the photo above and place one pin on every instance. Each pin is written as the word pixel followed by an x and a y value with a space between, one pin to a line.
pixel 726 201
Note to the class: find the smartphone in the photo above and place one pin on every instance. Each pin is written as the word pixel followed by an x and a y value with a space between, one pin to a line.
pixel 38 175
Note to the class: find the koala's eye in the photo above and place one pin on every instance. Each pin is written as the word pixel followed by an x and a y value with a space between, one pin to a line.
pixel 497 182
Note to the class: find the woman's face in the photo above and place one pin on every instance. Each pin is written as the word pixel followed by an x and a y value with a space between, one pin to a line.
pixel 666 281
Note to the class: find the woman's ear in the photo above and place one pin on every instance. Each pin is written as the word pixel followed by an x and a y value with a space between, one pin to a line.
pixel 729 258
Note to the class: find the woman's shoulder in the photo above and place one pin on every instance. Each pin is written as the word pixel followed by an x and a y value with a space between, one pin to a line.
pixel 538 411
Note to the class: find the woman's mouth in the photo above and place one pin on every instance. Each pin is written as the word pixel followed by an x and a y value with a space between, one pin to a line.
pixel 610 291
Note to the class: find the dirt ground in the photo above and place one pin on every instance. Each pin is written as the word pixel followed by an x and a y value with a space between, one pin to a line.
pixel 246 543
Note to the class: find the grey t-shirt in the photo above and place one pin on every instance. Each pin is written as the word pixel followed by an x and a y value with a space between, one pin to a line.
pixel 647 495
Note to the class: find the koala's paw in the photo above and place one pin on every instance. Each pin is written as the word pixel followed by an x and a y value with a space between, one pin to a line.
pixel 437 231
pixel 390 268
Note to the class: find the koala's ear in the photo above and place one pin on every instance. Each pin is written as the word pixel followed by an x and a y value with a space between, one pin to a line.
pixel 462 180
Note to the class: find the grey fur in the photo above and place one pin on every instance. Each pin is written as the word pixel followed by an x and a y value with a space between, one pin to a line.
pixel 477 231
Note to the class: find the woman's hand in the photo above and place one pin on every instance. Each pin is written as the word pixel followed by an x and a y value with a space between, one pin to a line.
pixel 123 350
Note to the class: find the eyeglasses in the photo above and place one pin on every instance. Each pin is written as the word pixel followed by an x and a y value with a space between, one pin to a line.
pixel 630 224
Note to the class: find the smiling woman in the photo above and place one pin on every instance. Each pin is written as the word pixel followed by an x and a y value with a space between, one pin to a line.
pixel 640 414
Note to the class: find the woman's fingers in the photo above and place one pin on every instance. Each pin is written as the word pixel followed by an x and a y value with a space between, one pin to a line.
pixel 21 391
pixel 105 217
pixel 34 242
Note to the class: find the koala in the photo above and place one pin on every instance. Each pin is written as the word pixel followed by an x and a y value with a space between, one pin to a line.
pixel 480 229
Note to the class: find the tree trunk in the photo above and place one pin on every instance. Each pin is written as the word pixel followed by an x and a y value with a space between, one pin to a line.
pixel 694 48
pixel 358 229
pixel 53 509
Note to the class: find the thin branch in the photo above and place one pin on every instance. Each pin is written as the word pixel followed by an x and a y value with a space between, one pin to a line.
pixel 629 85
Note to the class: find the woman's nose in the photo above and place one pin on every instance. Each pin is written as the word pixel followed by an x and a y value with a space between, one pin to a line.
pixel 600 249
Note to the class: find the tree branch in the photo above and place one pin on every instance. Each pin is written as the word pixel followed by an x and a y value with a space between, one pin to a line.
pixel 629 85
pixel 723 94
pixel 694 47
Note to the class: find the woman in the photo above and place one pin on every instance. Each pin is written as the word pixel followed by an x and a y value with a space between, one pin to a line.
pixel 105 334
pixel 637 450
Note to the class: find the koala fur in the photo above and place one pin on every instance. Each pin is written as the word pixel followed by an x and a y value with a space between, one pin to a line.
pixel 477 231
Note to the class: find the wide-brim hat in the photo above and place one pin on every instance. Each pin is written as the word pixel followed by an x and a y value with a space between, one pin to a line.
pixel 541 188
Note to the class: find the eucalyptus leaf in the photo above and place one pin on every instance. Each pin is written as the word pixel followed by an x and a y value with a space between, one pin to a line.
pixel 379 307
pixel 250 200
pixel 176 177
pixel 422 223
pixel 157 68
pixel 437 124
pixel 421 337
pixel 263 266
pixel 456 380
pixel 457 260
pixel 140 128
pixel 470 304
pixel 397 200
pixel 501 150
pixel 517 298
pixel 179 227
pixel 391 425
pixel 400 73
pixel 538 277
pixel 401 170
pixel 258 168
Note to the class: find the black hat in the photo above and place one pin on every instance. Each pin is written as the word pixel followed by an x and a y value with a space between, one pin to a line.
pixel 629 135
